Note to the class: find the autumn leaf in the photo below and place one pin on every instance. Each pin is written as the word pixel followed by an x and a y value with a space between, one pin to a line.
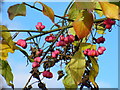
pixel 6 36
pixel 4 49
pixel 47 11
pixel 16 10
pixel 83 27
pixel 75 70
pixel 93 71
pixel 110 10
pixel 6 72
pixel 85 5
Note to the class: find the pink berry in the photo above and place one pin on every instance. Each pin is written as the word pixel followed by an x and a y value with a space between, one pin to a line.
pixel 60 43
pixel 96 53
pixel 85 52
pixel 35 64
pixel 42 27
pixel 54 55
pixel 71 38
pixel 102 48
pixel 62 38
pixel 37 59
pixel 39 24
pixel 100 51
pixel 50 38
pixel 47 74
pixel 57 52
pixel 22 43
pixel 66 40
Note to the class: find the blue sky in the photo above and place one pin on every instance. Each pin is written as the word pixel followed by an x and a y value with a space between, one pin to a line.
pixel 108 62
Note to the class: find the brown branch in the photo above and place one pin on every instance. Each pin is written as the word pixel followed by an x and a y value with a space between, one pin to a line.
pixel 41 11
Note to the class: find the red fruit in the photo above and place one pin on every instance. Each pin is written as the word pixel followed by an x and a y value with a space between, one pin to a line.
pixel 47 74
pixel 100 40
pixel 66 40
pixel 22 43
pixel 71 38
pixel 62 38
pixel 112 22
pixel 37 59
pixel 35 64
pixel 100 51
pixel 85 52
pixel 108 26
pixel 60 43
pixel 57 52
pixel 54 55
pixel 96 53
pixel 50 38
pixel 102 48
pixel 42 27
pixel 39 24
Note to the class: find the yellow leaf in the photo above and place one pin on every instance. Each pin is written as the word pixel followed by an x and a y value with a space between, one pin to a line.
pixel 47 11
pixel 6 36
pixel 110 10
pixel 93 71
pixel 83 27
pixel 4 49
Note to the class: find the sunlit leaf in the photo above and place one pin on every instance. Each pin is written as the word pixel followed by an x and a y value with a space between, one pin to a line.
pixel 98 9
pixel 75 70
pixel 16 10
pixel 93 71
pixel 47 11
pixel 110 10
pixel 84 46
pixel 4 49
pixel 100 30
pixel 5 71
pixel 6 36
pixel 83 27
pixel 85 5
pixel 74 12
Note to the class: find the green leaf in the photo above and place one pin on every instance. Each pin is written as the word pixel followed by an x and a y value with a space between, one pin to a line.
pixel 100 30
pixel 47 11
pixel 98 8
pixel 93 71
pixel 116 3
pixel 6 36
pixel 75 70
pixel 16 10
pixel 5 71
pixel 74 12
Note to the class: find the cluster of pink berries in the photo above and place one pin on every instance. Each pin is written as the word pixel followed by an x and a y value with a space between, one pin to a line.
pixel 100 40
pixel 37 60
pixel 22 43
pixel 55 53
pixel 89 52
pixel 65 40
pixel 39 26
pixel 47 74
pixel 50 38
pixel 108 23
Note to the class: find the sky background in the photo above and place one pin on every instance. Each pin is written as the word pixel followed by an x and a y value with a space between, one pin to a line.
pixel 108 62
